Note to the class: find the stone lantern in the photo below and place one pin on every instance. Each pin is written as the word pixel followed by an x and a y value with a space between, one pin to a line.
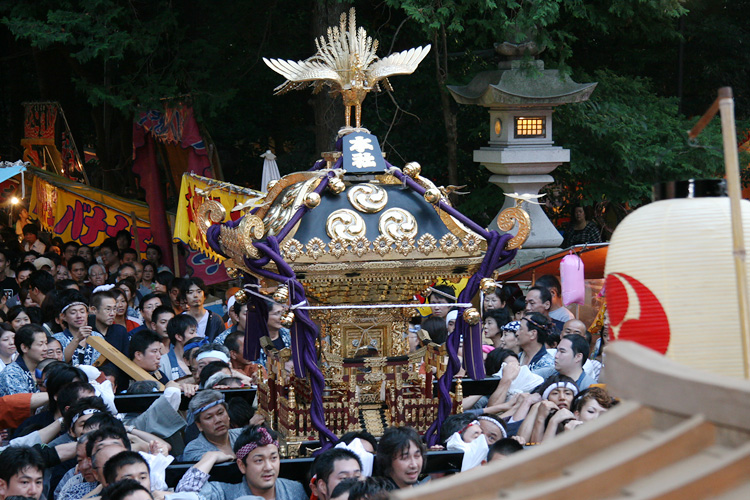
pixel 521 154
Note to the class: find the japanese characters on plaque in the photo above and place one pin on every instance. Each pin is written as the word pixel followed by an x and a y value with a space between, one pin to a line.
pixel 362 153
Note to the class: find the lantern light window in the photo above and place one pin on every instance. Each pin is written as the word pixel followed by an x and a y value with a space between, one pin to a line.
pixel 534 126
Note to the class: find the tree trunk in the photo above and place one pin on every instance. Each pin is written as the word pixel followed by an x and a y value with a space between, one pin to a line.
pixel 448 106
pixel 329 111
pixel 114 144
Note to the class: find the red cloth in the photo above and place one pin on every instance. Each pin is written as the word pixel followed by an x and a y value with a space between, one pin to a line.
pixel 144 165
pixel 175 126
pixel 131 325
pixel 14 409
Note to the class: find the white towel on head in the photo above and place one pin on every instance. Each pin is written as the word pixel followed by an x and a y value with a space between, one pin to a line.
pixel 474 452
pixel 365 456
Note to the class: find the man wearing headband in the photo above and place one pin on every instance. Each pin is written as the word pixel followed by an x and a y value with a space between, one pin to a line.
pixel 257 456
pixel 572 352
pixel 145 351
pixel 31 342
pixel 205 354
pixel 210 413
pixel 76 416
pixel 74 315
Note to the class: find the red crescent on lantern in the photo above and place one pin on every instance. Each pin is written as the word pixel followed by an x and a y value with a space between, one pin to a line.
pixel 644 321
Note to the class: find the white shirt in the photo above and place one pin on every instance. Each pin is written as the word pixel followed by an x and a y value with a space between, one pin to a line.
pixel 202 324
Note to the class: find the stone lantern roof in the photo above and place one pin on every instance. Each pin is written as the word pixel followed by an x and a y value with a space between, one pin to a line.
pixel 516 85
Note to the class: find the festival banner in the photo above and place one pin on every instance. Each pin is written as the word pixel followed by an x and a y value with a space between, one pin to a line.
pixel 48 142
pixel 193 191
pixel 76 212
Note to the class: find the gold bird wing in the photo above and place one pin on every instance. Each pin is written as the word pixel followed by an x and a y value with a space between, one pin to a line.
pixel 400 63
pixel 300 73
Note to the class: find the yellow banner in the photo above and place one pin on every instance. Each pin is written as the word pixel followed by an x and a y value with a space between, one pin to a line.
pixel 193 191
pixel 76 212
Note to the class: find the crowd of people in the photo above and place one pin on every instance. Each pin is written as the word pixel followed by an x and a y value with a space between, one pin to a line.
pixel 64 438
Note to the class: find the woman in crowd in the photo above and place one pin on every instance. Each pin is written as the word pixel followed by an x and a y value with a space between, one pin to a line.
pixel 17 317
pixel 279 335
pixel 121 313
pixel 580 230
pixel 147 278
pixel 62 273
pixel 591 403
pixel 128 287
pixel 494 320
pixel 163 282
pixel 8 350
pixel 509 337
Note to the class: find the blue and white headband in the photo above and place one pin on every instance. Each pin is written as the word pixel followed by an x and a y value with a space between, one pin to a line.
pixel 560 385
pixel 213 354
pixel 72 304
pixel 88 411
pixel 208 406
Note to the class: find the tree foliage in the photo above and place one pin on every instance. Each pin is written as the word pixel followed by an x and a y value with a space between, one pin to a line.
pixel 124 56
pixel 625 138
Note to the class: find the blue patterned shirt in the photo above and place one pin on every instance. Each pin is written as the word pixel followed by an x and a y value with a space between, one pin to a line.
pixel 543 363
pixel 82 355
pixel 16 379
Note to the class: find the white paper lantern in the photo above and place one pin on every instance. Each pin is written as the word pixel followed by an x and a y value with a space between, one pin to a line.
pixel 671 282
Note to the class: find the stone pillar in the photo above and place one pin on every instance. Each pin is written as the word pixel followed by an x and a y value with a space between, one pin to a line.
pixel 525 171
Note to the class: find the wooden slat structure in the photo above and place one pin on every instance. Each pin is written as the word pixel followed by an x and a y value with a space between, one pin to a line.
pixel 677 434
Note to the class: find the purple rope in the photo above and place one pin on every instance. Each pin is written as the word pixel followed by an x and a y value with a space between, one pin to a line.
pixel 303 334
pixel 484 233
pixel 256 326
pixel 495 257
pixel 319 165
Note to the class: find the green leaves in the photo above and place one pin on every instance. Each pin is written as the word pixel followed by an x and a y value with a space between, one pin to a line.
pixel 625 138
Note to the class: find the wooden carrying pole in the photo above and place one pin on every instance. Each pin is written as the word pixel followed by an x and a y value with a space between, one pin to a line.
pixel 120 360
pixel 732 163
